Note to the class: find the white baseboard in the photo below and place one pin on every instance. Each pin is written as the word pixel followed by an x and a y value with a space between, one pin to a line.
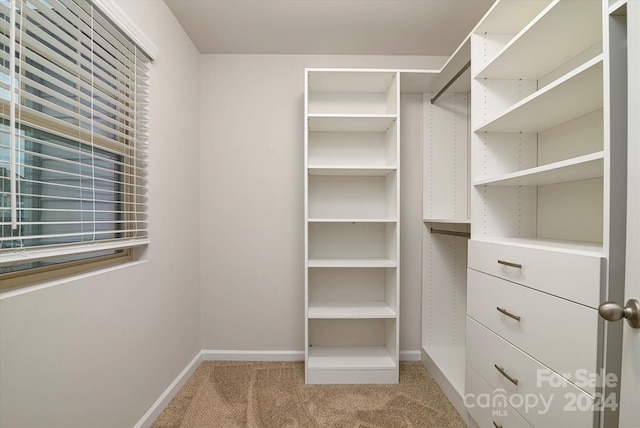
pixel 154 411
pixel 410 356
pixel 234 355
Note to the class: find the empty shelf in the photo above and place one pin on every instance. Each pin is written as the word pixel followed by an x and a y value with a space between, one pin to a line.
pixel 351 123
pixel 547 42
pixel 350 310
pixel 352 262
pixel 346 81
pixel 352 220
pixel 574 94
pixel 350 357
pixel 447 220
pixel 364 171
pixel 580 168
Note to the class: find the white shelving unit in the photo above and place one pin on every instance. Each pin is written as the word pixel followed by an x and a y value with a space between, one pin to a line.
pixel 446 222
pixel 538 145
pixel 523 153
pixel 543 171
pixel 352 226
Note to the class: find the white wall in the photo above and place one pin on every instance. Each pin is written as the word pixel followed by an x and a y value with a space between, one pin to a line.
pixel 252 234
pixel 98 351
pixel 225 267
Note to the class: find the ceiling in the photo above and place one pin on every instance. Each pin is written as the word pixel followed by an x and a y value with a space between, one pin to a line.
pixel 328 27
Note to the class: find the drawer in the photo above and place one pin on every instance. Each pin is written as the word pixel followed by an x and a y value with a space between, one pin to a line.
pixel 560 334
pixel 576 277
pixel 488 408
pixel 543 397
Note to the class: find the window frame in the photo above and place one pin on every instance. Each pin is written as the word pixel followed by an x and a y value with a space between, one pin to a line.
pixel 38 275
pixel 121 146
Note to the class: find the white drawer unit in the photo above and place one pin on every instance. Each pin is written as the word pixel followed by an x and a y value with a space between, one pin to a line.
pixel 487 407
pixel 576 276
pixel 560 334
pixel 539 394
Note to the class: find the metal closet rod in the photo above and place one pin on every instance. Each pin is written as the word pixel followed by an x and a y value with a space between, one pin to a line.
pixel 450 82
pixel 451 232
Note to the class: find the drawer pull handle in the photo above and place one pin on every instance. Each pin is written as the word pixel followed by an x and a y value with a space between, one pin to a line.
pixel 503 373
pixel 507 313
pixel 496 425
pixel 515 265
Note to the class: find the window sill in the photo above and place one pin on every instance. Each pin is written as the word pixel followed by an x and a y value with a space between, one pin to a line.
pixel 14 292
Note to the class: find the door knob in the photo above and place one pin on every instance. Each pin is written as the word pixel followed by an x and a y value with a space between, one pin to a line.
pixel 611 311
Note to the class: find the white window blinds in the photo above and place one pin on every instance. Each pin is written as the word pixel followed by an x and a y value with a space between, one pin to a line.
pixel 73 132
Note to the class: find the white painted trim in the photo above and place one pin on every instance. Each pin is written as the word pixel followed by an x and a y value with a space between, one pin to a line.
pixel 235 355
pixel 410 356
pixel 165 398
pixel 41 286
pixel 28 254
pixel 258 355
pixel 120 18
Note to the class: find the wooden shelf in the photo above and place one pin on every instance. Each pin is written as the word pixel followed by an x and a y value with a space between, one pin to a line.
pixel 351 123
pixel 353 263
pixel 580 168
pixel 447 220
pixel 350 310
pixel 350 357
pixel 574 94
pixel 547 42
pixel 348 170
pixel 352 220
pixel 346 81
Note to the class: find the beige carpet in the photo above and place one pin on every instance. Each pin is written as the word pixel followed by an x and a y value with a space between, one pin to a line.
pixel 273 395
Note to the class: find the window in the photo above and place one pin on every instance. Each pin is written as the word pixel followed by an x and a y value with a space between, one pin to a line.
pixel 73 150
